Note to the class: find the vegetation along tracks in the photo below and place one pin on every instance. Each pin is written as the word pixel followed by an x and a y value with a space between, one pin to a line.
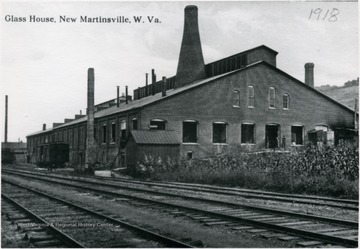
pixel 254 194
pixel 80 226
pixel 271 223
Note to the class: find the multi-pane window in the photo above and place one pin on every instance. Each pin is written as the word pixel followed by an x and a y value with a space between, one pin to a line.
pixel 113 132
pixel 81 135
pixel 123 129
pixel 134 123
pixel 272 97
pixel 251 96
pixel 247 133
pixel 236 98
pixel 157 124
pixel 190 131
pixel 219 132
pixel 297 135
pixel 104 133
pixel 286 101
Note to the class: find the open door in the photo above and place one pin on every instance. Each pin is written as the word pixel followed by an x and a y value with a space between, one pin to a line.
pixel 272 136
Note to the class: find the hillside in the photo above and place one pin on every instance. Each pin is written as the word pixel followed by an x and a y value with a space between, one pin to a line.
pixel 344 94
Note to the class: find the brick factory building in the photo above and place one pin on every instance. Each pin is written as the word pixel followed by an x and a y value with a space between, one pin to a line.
pixel 242 102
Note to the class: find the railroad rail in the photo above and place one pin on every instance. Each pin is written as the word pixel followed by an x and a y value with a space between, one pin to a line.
pixel 66 218
pixel 254 194
pixel 34 229
pixel 315 230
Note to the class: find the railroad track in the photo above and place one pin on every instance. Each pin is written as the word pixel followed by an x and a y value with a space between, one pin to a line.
pixel 344 204
pixel 308 230
pixel 77 226
pixel 27 229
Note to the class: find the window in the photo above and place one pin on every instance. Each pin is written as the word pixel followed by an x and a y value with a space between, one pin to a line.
pixel 219 132
pixel 286 101
pixel 157 124
pixel 95 133
pixel 104 133
pixel 272 97
pixel 113 132
pixel 123 128
pixel 134 123
pixel 247 133
pixel 190 131
pixel 297 135
pixel 251 96
pixel 189 155
pixel 236 98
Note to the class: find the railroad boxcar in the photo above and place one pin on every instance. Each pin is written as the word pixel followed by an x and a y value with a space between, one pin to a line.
pixel 49 155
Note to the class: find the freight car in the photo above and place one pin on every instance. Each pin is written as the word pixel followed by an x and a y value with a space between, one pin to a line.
pixel 52 155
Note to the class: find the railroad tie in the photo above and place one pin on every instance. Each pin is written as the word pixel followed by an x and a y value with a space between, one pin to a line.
pixel 217 223
pixel 241 228
pixel 309 243
pixel 287 238
pixel 48 243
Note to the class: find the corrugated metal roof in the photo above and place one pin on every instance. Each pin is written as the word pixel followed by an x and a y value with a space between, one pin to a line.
pixel 155 137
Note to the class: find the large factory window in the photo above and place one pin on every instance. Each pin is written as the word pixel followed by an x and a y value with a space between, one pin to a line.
pixel 297 135
pixel 134 123
pixel 247 133
pixel 236 98
pixel 190 131
pixel 251 96
pixel 104 134
pixel 123 128
pixel 286 101
pixel 157 124
pixel 219 132
pixel 272 97
pixel 113 133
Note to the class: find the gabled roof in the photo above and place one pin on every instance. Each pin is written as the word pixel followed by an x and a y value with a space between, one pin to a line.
pixel 132 105
pixel 155 137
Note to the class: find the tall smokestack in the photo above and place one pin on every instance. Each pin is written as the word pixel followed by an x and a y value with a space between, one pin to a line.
pixel 153 81
pixel 309 74
pixel 90 157
pixel 146 84
pixel 118 96
pixel 191 66
pixel 163 86
pixel 6 118
pixel 126 94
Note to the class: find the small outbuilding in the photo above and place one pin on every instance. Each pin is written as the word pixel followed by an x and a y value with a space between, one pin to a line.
pixel 157 143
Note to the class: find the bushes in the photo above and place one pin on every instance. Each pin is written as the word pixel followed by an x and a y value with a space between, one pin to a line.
pixel 331 171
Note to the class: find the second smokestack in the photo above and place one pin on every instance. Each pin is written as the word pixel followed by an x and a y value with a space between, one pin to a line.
pixel 309 74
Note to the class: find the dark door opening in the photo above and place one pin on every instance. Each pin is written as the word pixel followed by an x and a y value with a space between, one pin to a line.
pixel 272 136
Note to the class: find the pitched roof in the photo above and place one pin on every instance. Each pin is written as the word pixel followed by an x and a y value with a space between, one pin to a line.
pixel 155 137
pixel 169 93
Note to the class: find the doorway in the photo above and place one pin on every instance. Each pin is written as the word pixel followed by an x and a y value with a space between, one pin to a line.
pixel 272 136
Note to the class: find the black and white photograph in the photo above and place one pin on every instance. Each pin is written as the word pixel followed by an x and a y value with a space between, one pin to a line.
pixel 179 124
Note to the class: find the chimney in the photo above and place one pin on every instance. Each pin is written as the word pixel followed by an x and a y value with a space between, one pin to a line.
pixel 126 94
pixel 163 86
pixel 118 96
pixel 309 74
pixel 153 81
pixel 6 117
pixel 191 66
pixel 90 153
pixel 146 84
pixel 44 127
pixel 81 111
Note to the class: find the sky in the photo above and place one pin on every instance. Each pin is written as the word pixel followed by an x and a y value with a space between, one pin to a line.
pixel 44 64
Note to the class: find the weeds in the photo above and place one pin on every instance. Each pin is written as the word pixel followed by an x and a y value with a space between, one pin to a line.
pixel 331 171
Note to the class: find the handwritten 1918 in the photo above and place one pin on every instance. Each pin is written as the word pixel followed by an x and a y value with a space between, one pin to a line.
pixel 319 14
